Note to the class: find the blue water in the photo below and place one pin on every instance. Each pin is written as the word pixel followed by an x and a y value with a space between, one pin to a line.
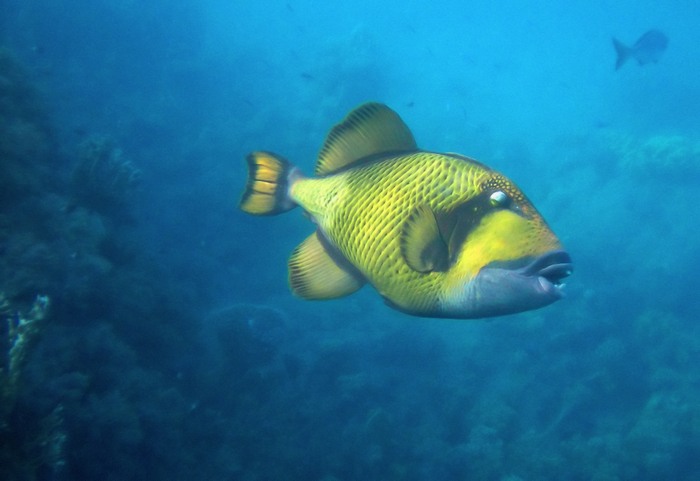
pixel 173 348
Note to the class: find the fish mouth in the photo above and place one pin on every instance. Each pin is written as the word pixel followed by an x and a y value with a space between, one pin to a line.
pixel 549 270
pixel 513 286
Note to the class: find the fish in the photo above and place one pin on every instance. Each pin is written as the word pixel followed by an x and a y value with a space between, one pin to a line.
pixel 647 49
pixel 437 235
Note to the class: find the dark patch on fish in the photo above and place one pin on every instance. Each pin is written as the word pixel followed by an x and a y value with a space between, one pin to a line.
pixel 647 49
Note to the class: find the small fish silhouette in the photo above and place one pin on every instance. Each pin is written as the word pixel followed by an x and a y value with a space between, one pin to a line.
pixel 648 49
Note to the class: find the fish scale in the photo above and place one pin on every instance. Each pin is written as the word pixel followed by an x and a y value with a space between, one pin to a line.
pixel 381 195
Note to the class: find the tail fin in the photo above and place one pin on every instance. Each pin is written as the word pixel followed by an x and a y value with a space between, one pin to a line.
pixel 267 190
pixel 623 53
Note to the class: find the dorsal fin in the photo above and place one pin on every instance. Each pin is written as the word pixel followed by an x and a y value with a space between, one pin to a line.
pixel 370 129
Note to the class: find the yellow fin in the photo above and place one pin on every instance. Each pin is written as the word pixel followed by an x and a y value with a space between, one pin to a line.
pixel 266 192
pixel 314 274
pixel 370 129
pixel 422 245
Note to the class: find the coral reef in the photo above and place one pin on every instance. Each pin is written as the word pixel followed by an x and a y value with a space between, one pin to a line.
pixel 103 178
pixel 44 247
pixel 664 156
pixel 34 446
pixel 25 139
pixel 22 331
pixel 47 243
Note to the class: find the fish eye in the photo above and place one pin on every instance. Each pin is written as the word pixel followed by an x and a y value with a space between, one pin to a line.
pixel 498 199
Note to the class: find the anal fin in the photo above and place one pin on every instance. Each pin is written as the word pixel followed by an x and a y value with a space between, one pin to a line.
pixel 315 274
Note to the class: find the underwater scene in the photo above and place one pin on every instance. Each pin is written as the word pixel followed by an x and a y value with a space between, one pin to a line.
pixel 416 315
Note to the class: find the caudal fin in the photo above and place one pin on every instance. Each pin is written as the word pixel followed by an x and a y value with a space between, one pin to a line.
pixel 267 190
pixel 623 53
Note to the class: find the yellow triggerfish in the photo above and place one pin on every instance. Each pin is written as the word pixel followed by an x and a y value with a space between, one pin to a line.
pixel 437 235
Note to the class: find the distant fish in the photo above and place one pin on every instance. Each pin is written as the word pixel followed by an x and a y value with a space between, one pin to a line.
pixel 648 49
pixel 438 235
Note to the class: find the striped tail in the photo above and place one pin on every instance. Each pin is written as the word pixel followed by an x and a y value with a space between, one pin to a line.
pixel 267 190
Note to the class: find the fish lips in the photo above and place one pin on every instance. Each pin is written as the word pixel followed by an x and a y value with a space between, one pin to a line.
pixel 499 290
pixel 549 270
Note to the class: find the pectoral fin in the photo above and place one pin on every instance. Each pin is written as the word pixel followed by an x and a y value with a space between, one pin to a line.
pixel 422 244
